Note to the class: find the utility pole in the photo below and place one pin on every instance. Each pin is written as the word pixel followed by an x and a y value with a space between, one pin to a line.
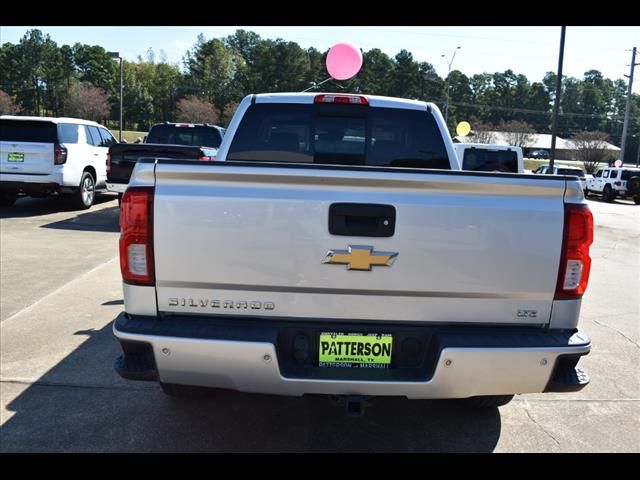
pixel 121 88
pixel 116 55
pixel 628 109
pixel 556 103
pixel 446 108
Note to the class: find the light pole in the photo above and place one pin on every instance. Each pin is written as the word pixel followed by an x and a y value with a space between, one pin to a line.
pixel 628 106
pixel 446 108
pixel 115 55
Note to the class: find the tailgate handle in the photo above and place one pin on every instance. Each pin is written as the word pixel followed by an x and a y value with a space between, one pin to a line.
pixel 362 219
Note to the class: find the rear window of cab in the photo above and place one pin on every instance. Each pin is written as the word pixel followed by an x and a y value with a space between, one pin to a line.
pixel 334 134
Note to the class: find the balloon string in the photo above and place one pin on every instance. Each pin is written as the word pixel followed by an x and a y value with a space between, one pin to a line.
pixel 316 85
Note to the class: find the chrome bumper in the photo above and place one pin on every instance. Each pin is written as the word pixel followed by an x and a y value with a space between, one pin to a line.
pixel 250 366
pixel 116 187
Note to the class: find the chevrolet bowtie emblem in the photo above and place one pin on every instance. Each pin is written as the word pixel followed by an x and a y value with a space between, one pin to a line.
pixel 360 257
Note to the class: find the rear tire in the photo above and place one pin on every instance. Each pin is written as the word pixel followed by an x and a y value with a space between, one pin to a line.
pixel 7 200
pixel 633 186
pixel 608 195
pixel 178 391
pixel 85 194
pixel 487 402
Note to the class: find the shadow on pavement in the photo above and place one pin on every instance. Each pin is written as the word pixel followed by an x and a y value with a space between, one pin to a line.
pixel 35 207
pixel 113 302
pixel 628 202
pixel 81 405
pixel 103 220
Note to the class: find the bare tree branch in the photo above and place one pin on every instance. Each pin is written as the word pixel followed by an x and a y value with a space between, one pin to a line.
pixel 194 109
pixel 86 101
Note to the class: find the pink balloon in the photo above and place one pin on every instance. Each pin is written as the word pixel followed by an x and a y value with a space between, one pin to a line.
pixel 344 61
pixel 618 163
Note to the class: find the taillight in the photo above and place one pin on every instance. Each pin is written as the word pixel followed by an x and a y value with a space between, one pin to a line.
pixel 136 236
pixel 204 158
pixel 108 162
pixel 575 262
pixel 59 154
pixel 344 99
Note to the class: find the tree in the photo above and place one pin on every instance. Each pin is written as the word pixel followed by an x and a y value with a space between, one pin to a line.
pixel 228 112
pixel 405 76
pixel 210 69
pixel 34 71
pixel 317 69
pixel 244 43
pixel 539 100
pixel 482 132
pixel 86 101
pixel 94 65
pixel 459 92
pixel 8 105
pixel 196 110
pixel 138 101
pixel 375 74
pixel 517 133
pixel 591 149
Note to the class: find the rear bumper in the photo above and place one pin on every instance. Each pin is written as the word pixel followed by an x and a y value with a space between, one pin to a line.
pixel 36 185
pixel 116 187
pixel 257 356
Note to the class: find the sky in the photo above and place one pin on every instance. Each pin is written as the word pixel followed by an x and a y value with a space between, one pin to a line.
pixel 527 50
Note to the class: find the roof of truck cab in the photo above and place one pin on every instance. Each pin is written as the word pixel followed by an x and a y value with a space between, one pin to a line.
pixel 50 119
pixel 374 100
pixel 188 124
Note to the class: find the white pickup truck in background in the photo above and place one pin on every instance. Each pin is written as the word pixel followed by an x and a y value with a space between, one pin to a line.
pixel 335 248
pixel 483 157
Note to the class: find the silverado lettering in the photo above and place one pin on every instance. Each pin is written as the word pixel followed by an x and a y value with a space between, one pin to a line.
pixel 238 304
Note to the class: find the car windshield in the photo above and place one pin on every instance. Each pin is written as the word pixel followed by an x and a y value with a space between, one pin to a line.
pixel 339 135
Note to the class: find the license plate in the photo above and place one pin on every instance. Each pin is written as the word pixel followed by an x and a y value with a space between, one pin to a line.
pixel 15 157
pixel 355 350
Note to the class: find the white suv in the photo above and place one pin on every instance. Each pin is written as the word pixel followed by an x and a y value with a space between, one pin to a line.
pixel 615 182
pixel 41 156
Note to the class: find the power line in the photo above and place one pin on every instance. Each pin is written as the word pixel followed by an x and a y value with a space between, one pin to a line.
pixel 525 110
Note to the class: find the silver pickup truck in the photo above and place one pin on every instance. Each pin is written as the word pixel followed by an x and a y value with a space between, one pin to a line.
pixel 336 248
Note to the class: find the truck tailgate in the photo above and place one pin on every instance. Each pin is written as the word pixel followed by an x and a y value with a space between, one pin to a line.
pixel 244 240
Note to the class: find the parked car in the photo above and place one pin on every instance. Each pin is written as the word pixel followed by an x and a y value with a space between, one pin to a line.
pixel 564 170
pixel 42 156
pixel 335 247
pixel 186 141
pixel 615 182
pixel 482 157
pixel 541 154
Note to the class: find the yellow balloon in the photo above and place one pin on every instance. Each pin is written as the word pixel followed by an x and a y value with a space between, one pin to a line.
pixel 463 129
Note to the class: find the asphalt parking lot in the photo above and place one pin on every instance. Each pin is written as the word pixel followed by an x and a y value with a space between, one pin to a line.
pixel 60 291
